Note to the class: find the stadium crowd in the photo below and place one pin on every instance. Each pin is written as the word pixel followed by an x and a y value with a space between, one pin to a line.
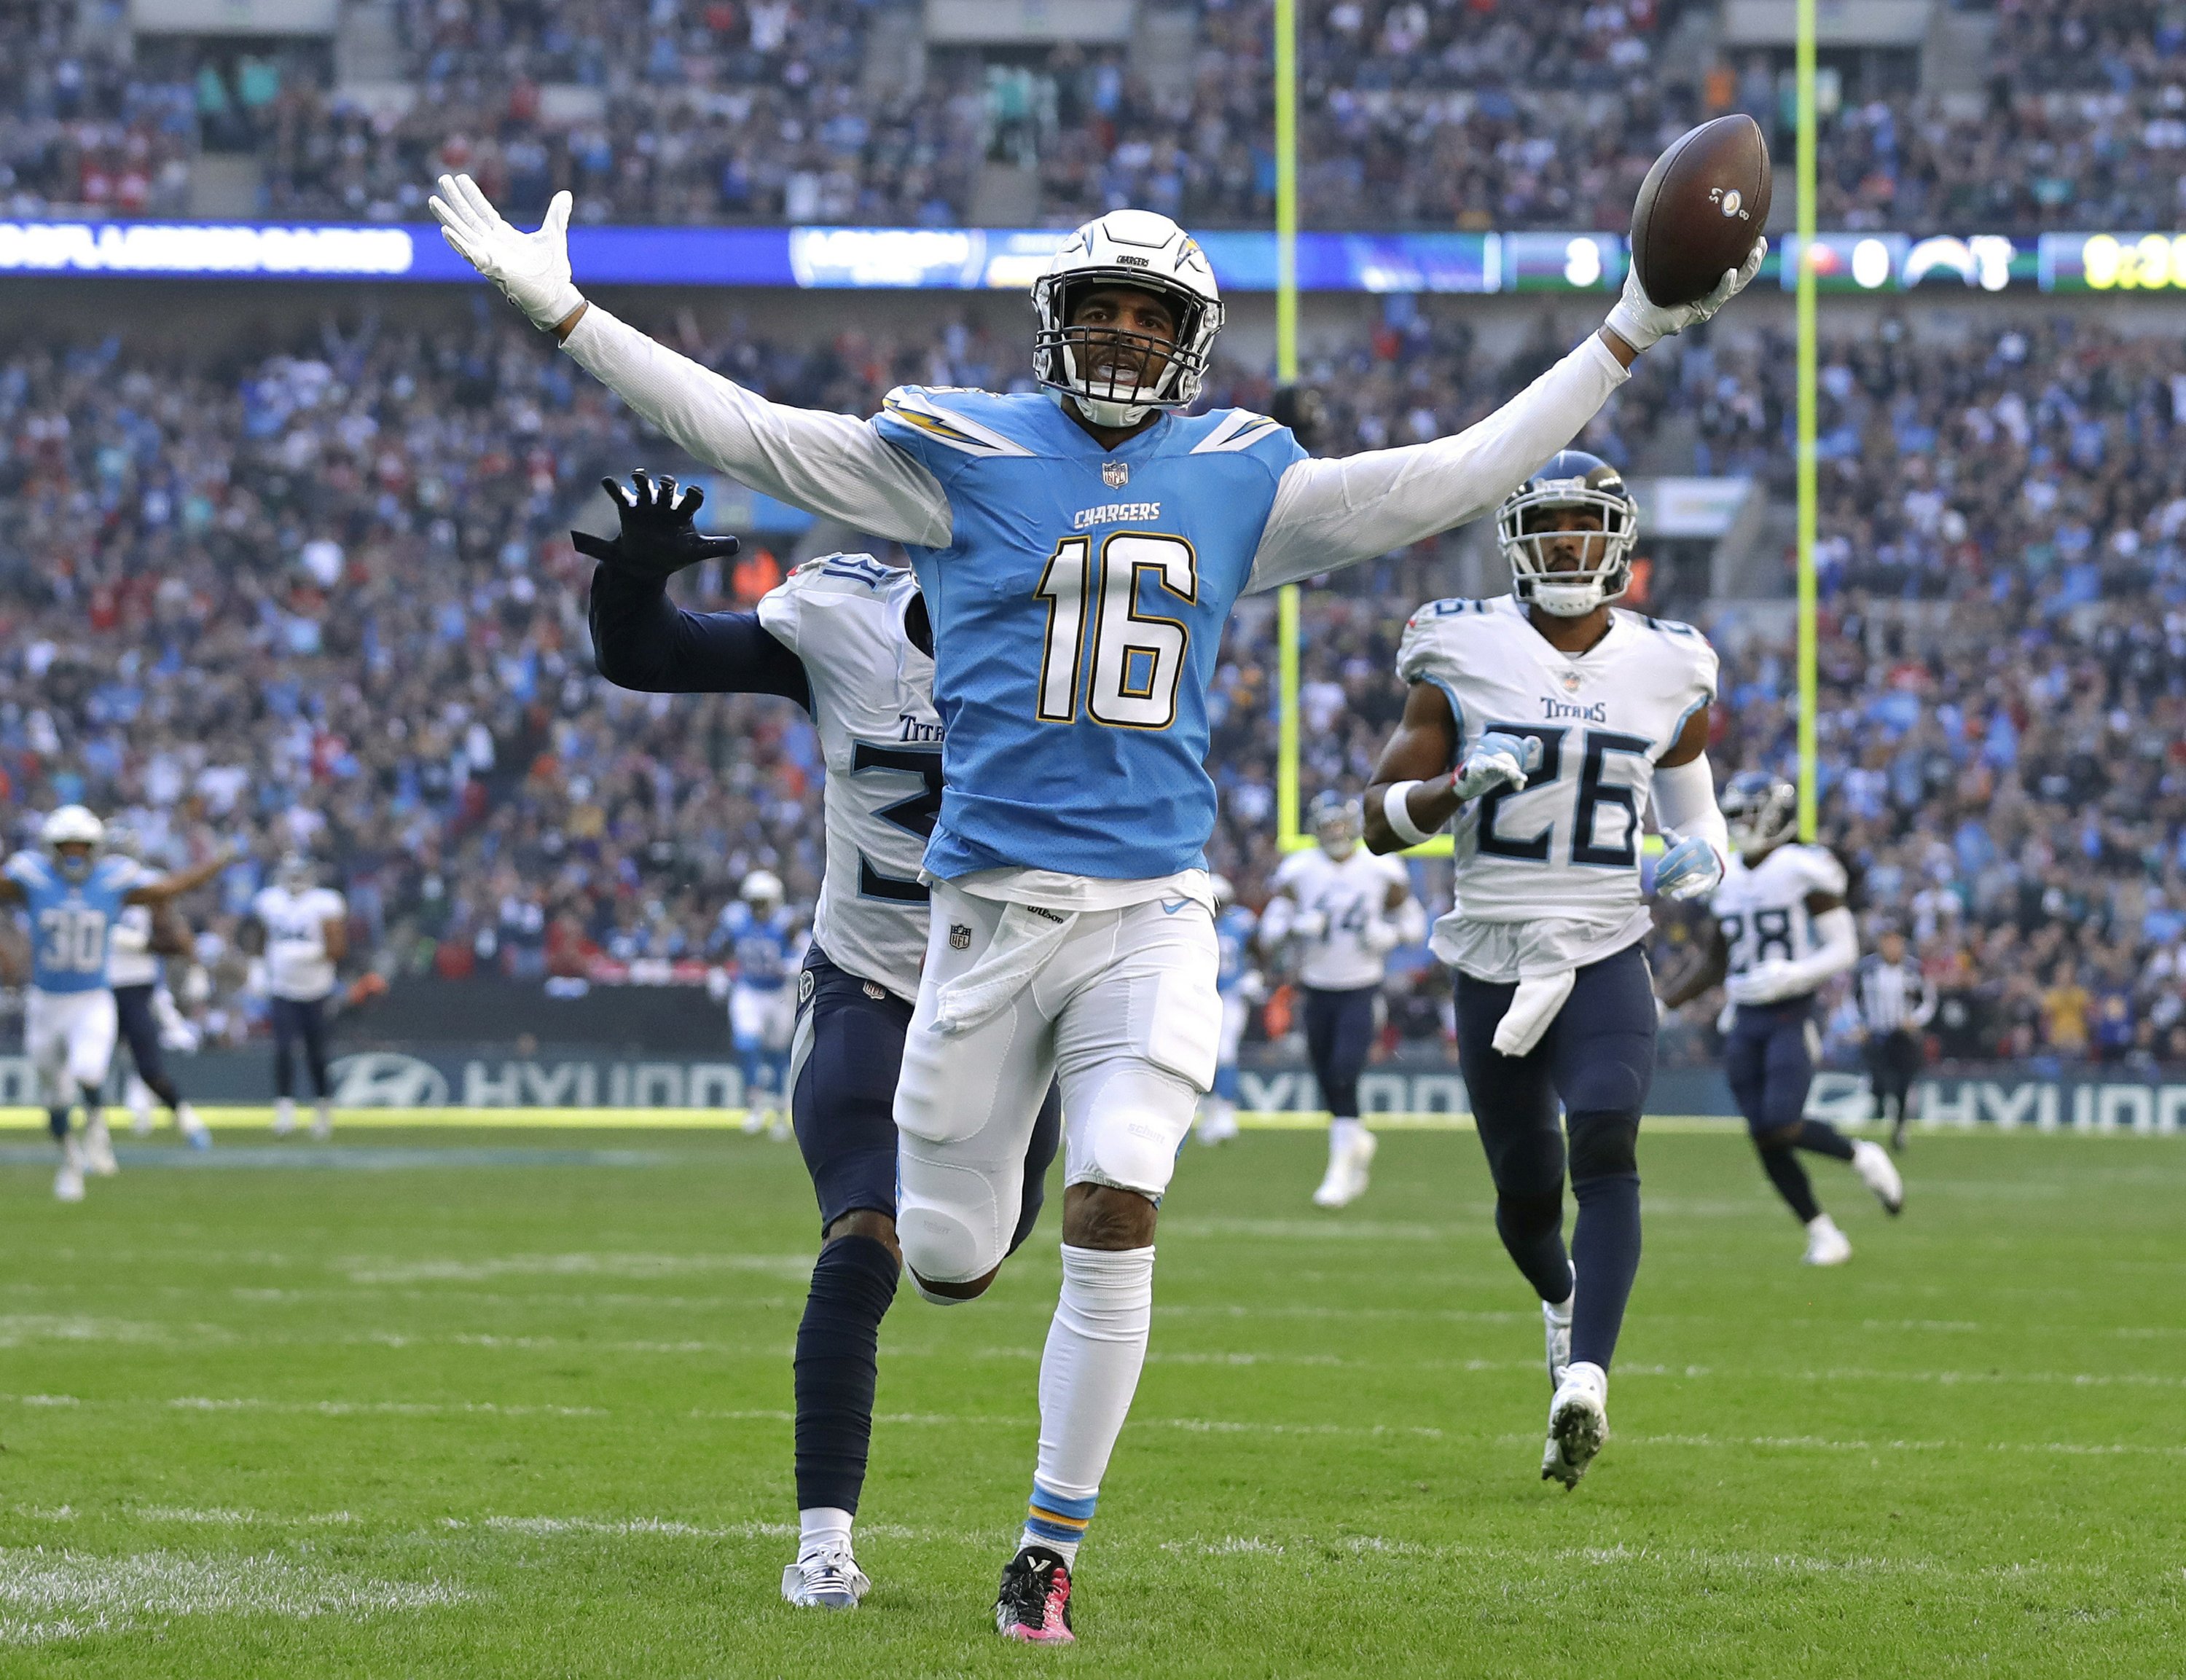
pixel 327 599
pixel 1416 113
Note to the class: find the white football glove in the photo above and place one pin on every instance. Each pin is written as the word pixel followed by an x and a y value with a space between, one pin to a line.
pixel 1379 937
pixel 1496 760
pixel 1767 983
pixel 531 269
pixel 1309 925
pixel 1641 322
pixel 1688 868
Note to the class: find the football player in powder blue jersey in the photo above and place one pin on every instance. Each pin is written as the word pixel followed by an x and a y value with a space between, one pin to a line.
pixel 1079 549
pixel 73 897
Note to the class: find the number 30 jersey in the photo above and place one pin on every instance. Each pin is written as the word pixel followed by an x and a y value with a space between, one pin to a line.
pixel 880 738
pixel 1078 613
pixel 72 920
pixel 1548 878
pixel 1763 910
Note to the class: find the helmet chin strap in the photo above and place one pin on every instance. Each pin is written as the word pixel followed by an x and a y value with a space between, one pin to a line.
pixel 1564 601
pixel 1102 413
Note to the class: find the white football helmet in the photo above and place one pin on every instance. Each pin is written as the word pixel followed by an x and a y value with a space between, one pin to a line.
pixel 72 826
pixel 1761 810
pixel 1572 478
pixel 1336 822
pixel 294 872
pixel 762 890
pixel 1126 247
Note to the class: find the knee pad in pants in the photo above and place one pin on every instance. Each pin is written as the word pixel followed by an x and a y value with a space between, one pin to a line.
pixel 1134 1116
pixel 950 1217
pixel 1604 1146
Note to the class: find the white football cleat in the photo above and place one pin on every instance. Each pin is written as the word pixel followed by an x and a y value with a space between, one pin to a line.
pixel 827 1580
pixel 1345 1179
pixel 1879 1173
pixel 1826 1245
pixel 284 1117
pixel 1579 1423
pixel 68 1183
pixel 323 1124
pixel 1558 1322
pixel 98 1148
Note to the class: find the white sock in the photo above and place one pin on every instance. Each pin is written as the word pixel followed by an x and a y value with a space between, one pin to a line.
pixel 1561 1310
pixel 1344 1133
pixel 94 1121
pixel 187 1120
pixel 140 1103
pixel 324 1109
pixel 285 1112
pixel 1088 1373
pixel 824 1528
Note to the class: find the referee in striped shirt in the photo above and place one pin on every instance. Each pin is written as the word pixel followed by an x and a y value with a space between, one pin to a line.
pixel 1895 1001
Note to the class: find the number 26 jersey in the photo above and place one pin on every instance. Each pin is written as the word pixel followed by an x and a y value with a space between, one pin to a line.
pixel 1548 877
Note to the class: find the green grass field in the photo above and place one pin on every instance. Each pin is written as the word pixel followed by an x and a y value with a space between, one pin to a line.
pixel 488 1403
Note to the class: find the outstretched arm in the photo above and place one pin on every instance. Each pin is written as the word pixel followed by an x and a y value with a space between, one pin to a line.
pixel 1333 514
pixel 174 886
pixel 643 641
pixel 1417 760
pixel 832 465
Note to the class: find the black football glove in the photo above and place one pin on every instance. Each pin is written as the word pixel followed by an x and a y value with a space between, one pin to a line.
pixel 659 535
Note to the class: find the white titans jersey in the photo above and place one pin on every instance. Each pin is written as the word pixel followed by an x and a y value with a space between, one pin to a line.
pixel 297 966
pixel 872 702
pixel 1548 879
pixel 129 959
pixel 1763 910
pixel 1350 897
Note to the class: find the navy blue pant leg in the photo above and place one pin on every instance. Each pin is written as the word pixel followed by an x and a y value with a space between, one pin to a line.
pixel 847 1054
pixel 300 1021
pixel 1597 1058
pixel 1339 1036
pixel 140 1031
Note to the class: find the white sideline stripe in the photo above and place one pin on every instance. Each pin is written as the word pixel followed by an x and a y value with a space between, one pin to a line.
pixel 389 1269
pixel 46 1596
pixel 327 1409
pixel 17 1328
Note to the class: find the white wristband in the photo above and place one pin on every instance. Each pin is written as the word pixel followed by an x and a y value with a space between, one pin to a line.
pixel 1399 814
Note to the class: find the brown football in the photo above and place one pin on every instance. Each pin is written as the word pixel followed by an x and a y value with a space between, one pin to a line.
pixel 1700 209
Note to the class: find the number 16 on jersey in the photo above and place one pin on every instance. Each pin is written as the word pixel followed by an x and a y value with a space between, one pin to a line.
pixel 1137 657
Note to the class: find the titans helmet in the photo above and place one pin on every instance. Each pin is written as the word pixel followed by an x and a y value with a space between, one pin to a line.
pixel 1149 252
pixel 1336 822
pixel 762 888
pixel 1760 811
pixel 1529 538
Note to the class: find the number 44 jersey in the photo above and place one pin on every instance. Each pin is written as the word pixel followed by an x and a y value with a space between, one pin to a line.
pixel 872 703
pixel 1548 877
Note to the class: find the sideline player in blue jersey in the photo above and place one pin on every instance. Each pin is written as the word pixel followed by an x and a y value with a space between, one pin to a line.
pixel 73 897
pixel 847 639
pixel 759 932
pixel 1078 550
pixel 1240 986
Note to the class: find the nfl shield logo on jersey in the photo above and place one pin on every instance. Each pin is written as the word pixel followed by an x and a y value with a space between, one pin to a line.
pixel 1115 474
pixel 1570 681
pixel 960 936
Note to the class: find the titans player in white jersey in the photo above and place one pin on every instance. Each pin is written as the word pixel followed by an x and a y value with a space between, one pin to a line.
pixel 1078 550
pixel 1343 909
pixel 143 1009
pixel 1781 930
pixel 1239 985
pixel 847 639
pixel 760 933
pixel 73 897
pixel 1546 721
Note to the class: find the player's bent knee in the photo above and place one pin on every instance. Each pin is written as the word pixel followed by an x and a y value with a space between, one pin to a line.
pixel 1604 1146
pixel 1101 1216
pixel 952 1294
pixel 865 1222
pixel 1782 1135
pixel 947 1222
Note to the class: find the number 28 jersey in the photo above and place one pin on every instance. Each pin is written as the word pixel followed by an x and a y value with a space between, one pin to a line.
pixel 72 920
pixel 1078 613
pixel 872 703
pixel 1763 910
pixel 1548 877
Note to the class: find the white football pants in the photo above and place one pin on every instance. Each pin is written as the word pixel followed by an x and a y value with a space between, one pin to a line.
pixel 1123 1011
pixel 762 1017
pixel 69 1037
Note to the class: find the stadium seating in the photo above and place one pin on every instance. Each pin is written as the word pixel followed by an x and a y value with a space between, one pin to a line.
pixel 1415 115
pixel 223 591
